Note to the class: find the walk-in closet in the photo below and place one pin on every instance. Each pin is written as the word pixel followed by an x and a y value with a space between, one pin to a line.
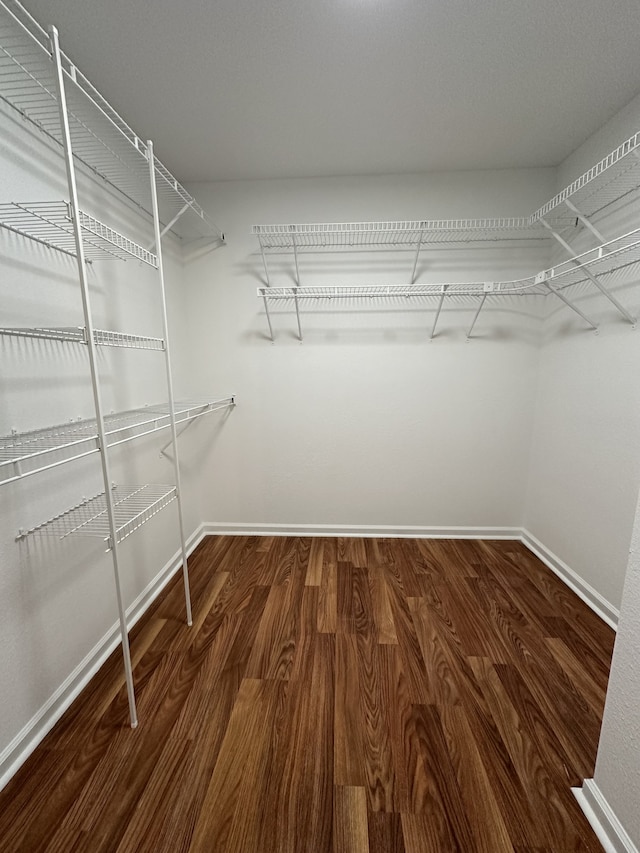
pixel 319 417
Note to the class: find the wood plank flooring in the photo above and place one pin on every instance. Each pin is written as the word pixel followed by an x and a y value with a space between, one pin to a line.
pixel 345 695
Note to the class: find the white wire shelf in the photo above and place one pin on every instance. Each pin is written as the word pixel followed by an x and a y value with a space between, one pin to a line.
pixel 22 454
pixel 618 253
pixel 79 335
pixel 591 266
pixel 133 506
pixel 394 235
pixel 101 139
pixel 611 179
pixel 51 223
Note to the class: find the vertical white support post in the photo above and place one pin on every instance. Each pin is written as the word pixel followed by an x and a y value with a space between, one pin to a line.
pixel 93 365
pixel 167 361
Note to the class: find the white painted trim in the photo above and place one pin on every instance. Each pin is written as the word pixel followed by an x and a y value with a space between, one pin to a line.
pixel 23 744
pixel 233 528
pixel 598 603
pixel 611 833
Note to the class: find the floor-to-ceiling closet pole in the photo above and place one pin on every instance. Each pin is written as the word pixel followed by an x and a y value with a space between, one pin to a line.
pixel 167 358
pixel 93 364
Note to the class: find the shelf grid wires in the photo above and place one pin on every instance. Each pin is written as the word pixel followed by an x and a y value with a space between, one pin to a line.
pixel 133 506
pixel 621 252
pixel 78 334
pixel 52 446
pixel 394 235
pixel 101 139
pixel 51 223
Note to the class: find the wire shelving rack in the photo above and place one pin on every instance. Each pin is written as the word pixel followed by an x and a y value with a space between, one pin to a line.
pixel 39 81
pixel 101 139
pixel 25 453
pixel 51 223
pixel 614 179
pixel 133 506
pixel 79 335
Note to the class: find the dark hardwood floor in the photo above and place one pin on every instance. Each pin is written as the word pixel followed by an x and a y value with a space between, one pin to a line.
pixel 334 695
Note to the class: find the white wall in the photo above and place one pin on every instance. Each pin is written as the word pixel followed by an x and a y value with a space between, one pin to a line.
pixel 366 422
pixel 617 772
pixel 585 467
pixel 57 599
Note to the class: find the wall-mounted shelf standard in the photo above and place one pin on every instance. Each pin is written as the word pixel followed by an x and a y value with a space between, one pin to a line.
pixel 35 451
pixel 80 335
pixel 133 505
pixel 590 266
pixel 51 223
pixel 101 139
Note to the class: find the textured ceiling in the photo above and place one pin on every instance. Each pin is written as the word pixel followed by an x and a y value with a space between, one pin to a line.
pixel 276 88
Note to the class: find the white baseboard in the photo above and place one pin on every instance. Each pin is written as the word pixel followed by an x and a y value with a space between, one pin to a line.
pixel 598 603
pixel 611 834
pixel 23 744
pixel 232 528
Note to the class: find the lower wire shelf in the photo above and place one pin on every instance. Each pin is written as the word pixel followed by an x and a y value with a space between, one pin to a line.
pixel 133 507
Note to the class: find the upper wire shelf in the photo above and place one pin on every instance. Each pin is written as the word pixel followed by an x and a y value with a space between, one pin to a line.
pixel 133 507
pixel 395 235
pixel 611 179
pixel 79 335
pixel 101 139
pixel 31 452
pixel 51 223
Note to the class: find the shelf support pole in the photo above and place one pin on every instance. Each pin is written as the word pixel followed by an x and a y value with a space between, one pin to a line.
pixel 170 225
pixel 295 255
pixel 264 261
pixel 266 311
pixel 439 309
pixel 185 426
pixel 477 314
pixel 93 366
pixel 566 246
pixel 295 299
pixel 569 303
pixel 167 361
pixel 415 260
pixel 585 221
